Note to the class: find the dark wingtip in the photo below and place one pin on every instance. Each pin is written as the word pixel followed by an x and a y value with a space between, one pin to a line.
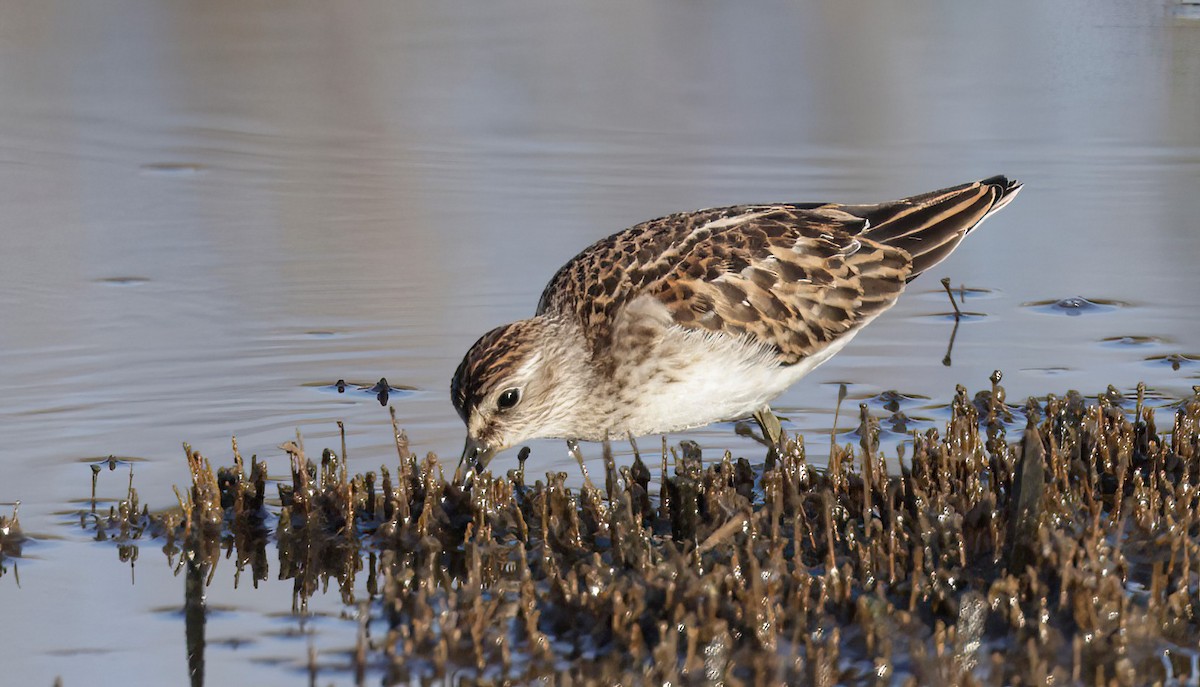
pixel 1005 184
pixel 929 226
pixel 1006 190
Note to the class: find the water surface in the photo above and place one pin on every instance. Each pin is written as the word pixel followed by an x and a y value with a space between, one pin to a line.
pixel 211 212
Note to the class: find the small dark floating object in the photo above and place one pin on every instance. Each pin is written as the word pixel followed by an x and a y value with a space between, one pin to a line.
pixel 381 390
pixel 173 168
pixel 1175 360
pixel 111 461
pixel 1131 341
pixel 892 400
pixel 1075 306
pixel 1070 304
pixel 123 281
pixel 384 385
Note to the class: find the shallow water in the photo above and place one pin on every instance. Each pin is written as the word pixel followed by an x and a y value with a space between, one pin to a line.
pixel 212 212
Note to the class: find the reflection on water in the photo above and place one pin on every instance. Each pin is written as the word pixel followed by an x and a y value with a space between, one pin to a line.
pixel 207 208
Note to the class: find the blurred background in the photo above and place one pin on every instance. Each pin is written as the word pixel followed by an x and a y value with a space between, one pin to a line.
pixel 212 211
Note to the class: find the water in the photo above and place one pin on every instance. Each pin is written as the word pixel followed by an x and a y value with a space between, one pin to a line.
pixel 211 212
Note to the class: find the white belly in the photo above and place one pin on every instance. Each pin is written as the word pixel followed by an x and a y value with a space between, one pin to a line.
pixel 697 378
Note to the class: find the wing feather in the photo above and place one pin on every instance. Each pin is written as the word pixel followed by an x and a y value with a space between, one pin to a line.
pixel 793 277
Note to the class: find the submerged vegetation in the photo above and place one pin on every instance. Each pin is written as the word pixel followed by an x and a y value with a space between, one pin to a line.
pixel 1069 556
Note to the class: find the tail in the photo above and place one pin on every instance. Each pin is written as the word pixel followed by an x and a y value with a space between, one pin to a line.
pixel 930 226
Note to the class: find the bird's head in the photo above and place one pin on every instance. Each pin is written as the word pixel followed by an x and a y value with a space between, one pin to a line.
pixel 516 384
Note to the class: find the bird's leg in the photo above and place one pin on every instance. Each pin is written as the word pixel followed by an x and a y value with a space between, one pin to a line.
pixel 772 432
pixel 946 285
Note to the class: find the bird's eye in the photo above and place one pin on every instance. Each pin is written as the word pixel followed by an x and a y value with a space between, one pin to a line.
pixel 508 399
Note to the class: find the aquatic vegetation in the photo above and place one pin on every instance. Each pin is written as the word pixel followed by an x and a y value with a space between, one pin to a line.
pixel 12 538
pixel 1070 555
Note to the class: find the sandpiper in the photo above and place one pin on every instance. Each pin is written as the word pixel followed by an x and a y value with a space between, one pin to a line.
pixel 702 317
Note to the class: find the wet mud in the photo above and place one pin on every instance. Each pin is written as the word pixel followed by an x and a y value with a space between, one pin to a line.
pixel 1069 556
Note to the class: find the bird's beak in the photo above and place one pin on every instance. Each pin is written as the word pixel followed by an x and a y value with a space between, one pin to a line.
pixel 475 457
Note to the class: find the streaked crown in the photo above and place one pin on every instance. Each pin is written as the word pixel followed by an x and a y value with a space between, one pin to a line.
pixel 490 360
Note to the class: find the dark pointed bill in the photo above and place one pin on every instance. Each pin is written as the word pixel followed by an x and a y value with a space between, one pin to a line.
pixel 475 457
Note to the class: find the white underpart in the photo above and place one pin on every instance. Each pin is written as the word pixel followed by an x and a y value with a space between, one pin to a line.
pixel 718 378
